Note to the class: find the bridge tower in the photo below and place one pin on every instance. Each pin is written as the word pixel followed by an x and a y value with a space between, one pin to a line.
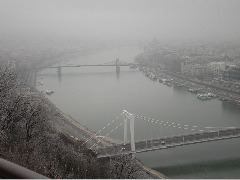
pixel 117 62
pixel 59 72
pixel 117 68
pixel 128 117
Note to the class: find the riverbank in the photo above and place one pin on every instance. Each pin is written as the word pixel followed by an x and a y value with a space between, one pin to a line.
pixel 196 86
pixel 30 135
pixel 51 142
pixel 73 129
pixel 133 168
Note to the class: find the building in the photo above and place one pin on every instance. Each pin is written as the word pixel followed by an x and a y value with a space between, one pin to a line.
pixel 216 68
pixel 193 69
pixel 186 67
pixel 232 73
pixel 199 70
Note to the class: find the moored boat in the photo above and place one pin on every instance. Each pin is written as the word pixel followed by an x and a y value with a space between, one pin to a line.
pixel 49 92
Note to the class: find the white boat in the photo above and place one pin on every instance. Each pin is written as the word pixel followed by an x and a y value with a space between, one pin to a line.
pixel 49 92
pixel 202 97
pixel 206 96
pixel 194 90
pixel 164 81
pixel 191 90
pixel 211 95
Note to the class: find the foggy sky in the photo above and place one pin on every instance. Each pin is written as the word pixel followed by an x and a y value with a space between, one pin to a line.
pixel 120 19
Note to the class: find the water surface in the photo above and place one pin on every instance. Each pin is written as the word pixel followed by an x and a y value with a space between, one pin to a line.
pixel 96 95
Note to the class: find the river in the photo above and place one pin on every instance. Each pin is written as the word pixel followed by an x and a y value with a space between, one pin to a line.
pixel 96 95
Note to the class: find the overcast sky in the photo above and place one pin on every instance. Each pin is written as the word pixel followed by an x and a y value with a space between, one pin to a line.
pixel 121 19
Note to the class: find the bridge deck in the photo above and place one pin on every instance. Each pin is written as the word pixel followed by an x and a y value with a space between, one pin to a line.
pixel 169 142
pixel 90 65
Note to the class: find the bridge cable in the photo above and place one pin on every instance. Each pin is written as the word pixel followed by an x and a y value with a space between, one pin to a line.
pixel 100 130
pixel 177 124
pixel 107 134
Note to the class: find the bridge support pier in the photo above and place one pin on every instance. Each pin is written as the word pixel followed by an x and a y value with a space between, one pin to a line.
pixel 117 68
pixel 129 117
pixel 132 133
pixel 59 72
pixel 125 131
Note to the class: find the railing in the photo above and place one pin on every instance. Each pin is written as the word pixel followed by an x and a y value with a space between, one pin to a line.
pixel 13 171
pixel 170 142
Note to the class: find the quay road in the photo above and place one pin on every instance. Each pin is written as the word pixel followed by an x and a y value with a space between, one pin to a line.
pixel 223 93
pixel 169 142
pixel 235 94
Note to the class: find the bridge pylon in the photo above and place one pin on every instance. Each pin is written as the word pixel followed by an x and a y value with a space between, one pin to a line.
pixel 59 72
pixel 117 68
pixel 128 117
pixel 117 62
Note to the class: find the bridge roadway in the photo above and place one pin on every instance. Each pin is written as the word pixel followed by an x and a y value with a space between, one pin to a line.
pixel 169 142
pixel 90 65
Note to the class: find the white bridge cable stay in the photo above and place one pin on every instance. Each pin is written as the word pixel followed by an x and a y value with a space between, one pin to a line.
pixel 114 129
pixel 98 133
pixel 171 124
pixel 123 115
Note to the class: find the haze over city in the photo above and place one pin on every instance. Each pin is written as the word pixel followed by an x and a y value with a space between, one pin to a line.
pixel 120 20
pixel 119 89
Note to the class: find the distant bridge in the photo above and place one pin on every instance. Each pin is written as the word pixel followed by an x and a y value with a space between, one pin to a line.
pixel 196 136
pixel 92 65
pixel 116 63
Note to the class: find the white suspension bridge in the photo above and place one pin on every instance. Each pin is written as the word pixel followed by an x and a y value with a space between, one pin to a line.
pixel 195 134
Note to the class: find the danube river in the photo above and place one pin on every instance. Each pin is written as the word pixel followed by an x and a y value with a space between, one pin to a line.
pixel 96 95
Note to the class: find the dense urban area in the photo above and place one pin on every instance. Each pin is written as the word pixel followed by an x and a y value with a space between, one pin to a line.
pixel 208 70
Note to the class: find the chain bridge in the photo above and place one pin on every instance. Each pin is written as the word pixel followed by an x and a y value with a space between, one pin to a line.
pixel 116 63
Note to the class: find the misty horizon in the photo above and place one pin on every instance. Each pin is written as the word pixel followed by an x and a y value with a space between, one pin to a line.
pixel 109 20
